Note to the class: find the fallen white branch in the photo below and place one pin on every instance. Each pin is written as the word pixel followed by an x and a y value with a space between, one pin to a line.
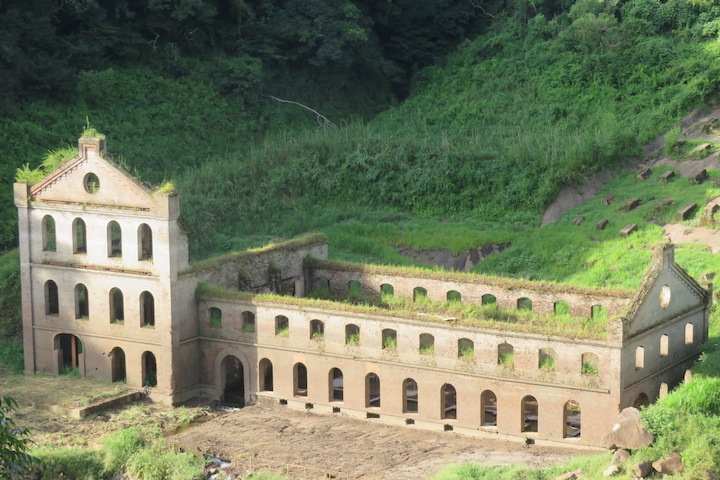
pixel 322 120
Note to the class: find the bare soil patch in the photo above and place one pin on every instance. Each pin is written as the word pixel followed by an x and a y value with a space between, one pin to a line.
pixel 335 443
pixel 573 195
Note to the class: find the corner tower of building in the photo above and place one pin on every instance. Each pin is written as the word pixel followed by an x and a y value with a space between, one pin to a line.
pixel 99 252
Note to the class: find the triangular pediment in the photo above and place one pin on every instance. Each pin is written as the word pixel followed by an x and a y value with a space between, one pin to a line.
pixel 667 292
pixel 90 179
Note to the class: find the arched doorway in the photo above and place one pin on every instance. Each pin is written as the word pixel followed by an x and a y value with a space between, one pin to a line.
pixel 266 375
pixel 641 400
pixel 234 382
pixel 149 370
pixel 529 411
pixel 117 359
pixel 69 349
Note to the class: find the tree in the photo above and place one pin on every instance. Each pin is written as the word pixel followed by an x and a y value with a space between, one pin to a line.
pixel 14 442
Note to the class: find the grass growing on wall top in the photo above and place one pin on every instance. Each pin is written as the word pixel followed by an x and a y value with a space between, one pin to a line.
pixel 466 314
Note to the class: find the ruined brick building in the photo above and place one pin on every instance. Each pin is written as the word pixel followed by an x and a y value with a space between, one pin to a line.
pixel 107 289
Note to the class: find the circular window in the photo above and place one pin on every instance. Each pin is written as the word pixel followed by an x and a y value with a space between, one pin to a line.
pixel 665 296
pixel 91 183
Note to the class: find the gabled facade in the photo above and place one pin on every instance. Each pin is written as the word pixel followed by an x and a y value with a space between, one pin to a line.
pixel 99 253
pixel 107 290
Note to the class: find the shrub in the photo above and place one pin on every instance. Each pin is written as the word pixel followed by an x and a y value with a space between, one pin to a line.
pixel 160 461
pixel 118 447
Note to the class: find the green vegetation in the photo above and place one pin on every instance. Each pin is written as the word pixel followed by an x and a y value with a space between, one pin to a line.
pixel 52 161
pixel 353 339
pixel 390 343
pixel 467 354
pixel 589 369
pixel 14 442
pixel 143 455
pixel 485 316
pixel 506 359
pixel 547 364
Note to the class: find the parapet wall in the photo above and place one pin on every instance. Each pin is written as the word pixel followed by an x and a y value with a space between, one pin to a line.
pixel 471 288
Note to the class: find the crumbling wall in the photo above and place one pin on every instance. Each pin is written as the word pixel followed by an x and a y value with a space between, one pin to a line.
pixel 507 292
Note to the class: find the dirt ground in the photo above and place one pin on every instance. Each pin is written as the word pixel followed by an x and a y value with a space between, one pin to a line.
pixel 311 445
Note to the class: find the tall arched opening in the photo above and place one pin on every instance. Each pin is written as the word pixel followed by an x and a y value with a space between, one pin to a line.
pixel 69 349
pixel 149 370
pixel 117 362
pixel 233 377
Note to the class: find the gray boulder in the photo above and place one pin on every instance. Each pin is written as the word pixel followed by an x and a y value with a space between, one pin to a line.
pixel 620 457
pixel 642 469
pixel 669 465
pixel 628 433
pixel 574 475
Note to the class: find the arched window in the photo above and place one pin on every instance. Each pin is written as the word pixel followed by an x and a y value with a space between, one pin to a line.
pixel 149 370
pixel 117 306
pixel 389 339
pixel 410 396
pixel 282 326
pixel 546 359
pixel 529 410
pixel 265 375
pixel 571 414
pixel 215 317
pixel 336 385
pixel 665 295
pixel 427 344
pixel 82 307
pixel 317 330
pixel 454 296
pixel 147 310
pixel 524 303
pixel 689 334
pixel 387 289
pixel 639 358
pixel 663 390
pixel 448 401
pixel 506 355
pixel 114 239
pixel 300 380
pixel 590 364
pixel 248 321
pixel 687 376
pixel 79 236
pixel 488 409
pixel 599 312
pixel 145 242
pixel 466 349
pixel 488 299
pixel 664 345
pixel 372 390
pixel 419 293
pixel 352 334
pixel 561 308
pixel 52 304
pixel 48 234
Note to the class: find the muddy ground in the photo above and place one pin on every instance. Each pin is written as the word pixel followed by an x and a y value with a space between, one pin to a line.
pixel 310 445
